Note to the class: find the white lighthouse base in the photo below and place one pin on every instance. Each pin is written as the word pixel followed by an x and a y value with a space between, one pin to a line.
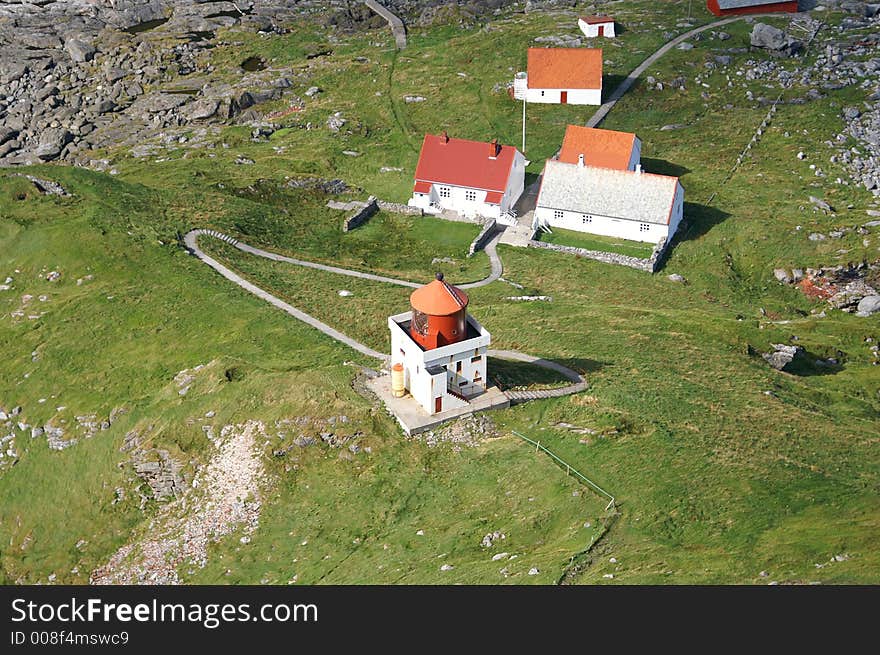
pixel 414 419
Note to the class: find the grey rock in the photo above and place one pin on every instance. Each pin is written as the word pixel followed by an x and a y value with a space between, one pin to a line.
pixel 868 305
pixel 80 51
pixel 313 91
pixel 201 109
pixel 723 60
pixel 335 122
pixel 52 142
pixel 772 38
pixel 782 356
pixel 821 204
pixel 675 277
pixel 781 275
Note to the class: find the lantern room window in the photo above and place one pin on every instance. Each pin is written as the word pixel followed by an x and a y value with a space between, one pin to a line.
pixel 420 322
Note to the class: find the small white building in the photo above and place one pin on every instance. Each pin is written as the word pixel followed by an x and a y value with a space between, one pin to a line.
pixel 471 178
pixel 618 203
pixel 561 76
pixel 442 348
pixel 593 26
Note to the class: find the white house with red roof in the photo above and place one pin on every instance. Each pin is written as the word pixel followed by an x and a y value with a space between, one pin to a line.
pixel 471 178
pixel 627 204
pixel 562 76
pixel 593 26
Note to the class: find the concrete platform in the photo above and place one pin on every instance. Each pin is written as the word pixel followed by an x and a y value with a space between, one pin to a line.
pixel 414 419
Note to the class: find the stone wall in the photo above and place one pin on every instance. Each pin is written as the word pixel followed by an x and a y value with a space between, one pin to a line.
pixel 483 237
pixel 362 215
pixel 399 208
pixel 598 255
pixel 650 265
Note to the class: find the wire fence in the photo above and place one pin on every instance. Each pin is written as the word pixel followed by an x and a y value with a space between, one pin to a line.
pixel 569 469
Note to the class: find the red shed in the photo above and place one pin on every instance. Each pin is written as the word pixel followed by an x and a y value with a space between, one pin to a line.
pixel 730 7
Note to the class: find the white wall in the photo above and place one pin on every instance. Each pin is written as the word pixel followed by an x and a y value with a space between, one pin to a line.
pixel 604 225
pixel 593 30
pixel 575 96
pixel 677 210
pixel 424 387
pixel 515 183
pixel 636 155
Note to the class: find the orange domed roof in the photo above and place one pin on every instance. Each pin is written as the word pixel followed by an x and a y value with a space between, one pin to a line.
pixel 438 298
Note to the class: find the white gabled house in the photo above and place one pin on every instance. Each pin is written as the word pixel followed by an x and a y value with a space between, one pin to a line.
pixel 618 203
pixel 471 178
pixel 593 26
pixel 561 76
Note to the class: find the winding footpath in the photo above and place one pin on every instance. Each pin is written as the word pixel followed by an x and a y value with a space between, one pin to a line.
pixel 191 241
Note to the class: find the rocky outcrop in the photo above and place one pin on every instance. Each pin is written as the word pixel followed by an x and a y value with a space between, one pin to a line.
pixel 775 40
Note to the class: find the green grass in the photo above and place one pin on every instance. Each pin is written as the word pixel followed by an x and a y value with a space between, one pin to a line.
pixel 722 467
pixel 597 242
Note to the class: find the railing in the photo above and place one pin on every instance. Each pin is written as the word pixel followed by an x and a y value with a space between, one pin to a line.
pixel 569 469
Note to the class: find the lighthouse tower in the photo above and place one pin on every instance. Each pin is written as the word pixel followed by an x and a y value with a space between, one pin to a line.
pixel 440 348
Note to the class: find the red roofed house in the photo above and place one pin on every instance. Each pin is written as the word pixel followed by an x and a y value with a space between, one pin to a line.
pixel 601 148
pixel 561 76
pixel 733 7
pixel 593 26
pixel 471 178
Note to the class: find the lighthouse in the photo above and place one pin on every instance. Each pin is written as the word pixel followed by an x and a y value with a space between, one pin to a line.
pixel 438 350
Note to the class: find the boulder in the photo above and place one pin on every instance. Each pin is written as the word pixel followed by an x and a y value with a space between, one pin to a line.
pixel 782 356
pixel 79 50
pixel 781 275
pixel 868 305
pixel 52 142
pixel 773 39
pixel 201 109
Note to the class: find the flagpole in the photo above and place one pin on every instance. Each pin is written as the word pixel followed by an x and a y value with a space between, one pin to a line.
pixel 524 125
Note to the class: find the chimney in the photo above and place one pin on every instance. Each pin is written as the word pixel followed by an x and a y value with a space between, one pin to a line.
pixel 638 169
pixel 581 160
pixel 444 137
pixel 494 149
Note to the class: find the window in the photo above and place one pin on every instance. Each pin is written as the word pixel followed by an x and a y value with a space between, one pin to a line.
pixel 586 218
pixel 445 192
pixel 463 384
pixel 420 323
pixel 470 196
pixel 558 214
pixel 644 227
pixel 476 359
pixel 458 367
pixel 542 94
pixel 402 352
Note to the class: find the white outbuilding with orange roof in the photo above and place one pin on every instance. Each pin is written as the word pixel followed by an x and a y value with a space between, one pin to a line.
pixel 593 26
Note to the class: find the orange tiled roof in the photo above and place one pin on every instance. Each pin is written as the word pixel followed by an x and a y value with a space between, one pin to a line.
pixel 597 20
pixel 438 298
pixel 602 148
pixel 565 68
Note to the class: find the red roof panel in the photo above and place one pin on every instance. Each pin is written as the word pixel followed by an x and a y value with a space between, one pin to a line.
pixel 422 187
pixel 494 197
pixel 464 163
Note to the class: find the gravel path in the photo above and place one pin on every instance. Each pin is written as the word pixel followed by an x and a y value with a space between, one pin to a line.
pixel 191 242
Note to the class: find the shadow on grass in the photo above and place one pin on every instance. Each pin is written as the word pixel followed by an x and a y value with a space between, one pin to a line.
pixel 510 374
pixel 697 221
pixel 663 167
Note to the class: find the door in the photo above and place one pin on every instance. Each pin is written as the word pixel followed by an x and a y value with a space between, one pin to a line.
pixel 563 97
pixel 601 30
pixel 438 405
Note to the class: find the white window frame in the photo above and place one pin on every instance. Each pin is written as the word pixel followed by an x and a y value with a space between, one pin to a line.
pixel 444 192
pixel 470 195
pixel 558 215
pixel 644 227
